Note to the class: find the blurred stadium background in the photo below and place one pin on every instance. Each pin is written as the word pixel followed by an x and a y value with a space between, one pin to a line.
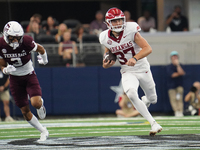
pixel 86 90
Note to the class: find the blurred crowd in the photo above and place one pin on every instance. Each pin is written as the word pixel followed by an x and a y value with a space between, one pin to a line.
pixel 52 27
pixel 50 31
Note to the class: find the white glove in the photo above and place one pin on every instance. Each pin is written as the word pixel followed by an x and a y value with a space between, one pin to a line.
pixel 42 59
pixel 9 69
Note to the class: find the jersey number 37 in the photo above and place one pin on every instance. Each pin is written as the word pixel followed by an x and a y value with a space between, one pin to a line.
pixel 121 55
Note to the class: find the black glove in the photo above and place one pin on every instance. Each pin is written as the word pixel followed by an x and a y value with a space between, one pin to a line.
pixel 193 89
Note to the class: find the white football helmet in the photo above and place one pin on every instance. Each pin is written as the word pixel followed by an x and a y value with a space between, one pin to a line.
pixel 15 30
pixel 112 14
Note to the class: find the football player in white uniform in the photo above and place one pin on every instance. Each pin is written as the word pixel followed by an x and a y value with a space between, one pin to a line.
pixel 124 40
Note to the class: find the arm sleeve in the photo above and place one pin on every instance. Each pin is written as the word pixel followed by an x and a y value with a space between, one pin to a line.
pixel 29 43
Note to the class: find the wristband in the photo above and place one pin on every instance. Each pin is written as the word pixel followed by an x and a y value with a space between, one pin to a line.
pixel 44 56
pixel 135 59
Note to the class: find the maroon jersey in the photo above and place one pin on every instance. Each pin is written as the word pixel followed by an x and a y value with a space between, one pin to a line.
pixel 20 58
pixel 23 81
pixel 21 55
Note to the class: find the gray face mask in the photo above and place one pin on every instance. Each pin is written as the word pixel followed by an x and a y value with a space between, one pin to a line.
pixel 14 45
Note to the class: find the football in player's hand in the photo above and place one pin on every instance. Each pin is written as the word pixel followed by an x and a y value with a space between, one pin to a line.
pixel 109 56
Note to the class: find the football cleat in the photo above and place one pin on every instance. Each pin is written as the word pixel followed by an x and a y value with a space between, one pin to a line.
pixel 155 128
pixel 146 101
pixel 44 135
pixel 42 111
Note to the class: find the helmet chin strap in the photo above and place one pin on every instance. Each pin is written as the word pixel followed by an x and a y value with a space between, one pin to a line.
pixel 14 45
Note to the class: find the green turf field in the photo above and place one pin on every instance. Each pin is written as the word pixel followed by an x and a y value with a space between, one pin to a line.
pixel 101 127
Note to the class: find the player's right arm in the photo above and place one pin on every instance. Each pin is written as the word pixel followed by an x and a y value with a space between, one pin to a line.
pixel 102 37
pixel 6 69
pixel 107 64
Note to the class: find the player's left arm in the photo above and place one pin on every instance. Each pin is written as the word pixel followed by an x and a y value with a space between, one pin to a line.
pixel 40 49
pixel 141 42
pixel 146 49
pixel 42 57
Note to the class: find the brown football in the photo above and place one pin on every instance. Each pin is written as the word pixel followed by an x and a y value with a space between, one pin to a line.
pixel 110 56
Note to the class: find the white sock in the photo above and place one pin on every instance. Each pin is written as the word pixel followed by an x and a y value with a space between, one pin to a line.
pixel 36 124
pixel 140 107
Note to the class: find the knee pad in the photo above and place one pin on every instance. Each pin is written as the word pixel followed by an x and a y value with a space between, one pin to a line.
pixel 152 99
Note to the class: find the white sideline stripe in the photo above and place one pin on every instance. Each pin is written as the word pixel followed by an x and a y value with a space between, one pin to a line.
pixel 14 126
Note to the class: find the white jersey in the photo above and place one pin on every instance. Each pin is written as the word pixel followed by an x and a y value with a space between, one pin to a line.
pixel 125 48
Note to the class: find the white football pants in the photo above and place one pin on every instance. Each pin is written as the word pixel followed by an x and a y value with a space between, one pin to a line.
pixel 131 82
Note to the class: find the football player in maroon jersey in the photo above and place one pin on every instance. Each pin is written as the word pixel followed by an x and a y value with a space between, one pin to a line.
pixel 15 60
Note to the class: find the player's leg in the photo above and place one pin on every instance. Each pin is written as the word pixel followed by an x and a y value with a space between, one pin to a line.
pixel 148 86
pixel 38 103
pixel 130 84
pixel 32 120
pixel 34 91
pixel 19 87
